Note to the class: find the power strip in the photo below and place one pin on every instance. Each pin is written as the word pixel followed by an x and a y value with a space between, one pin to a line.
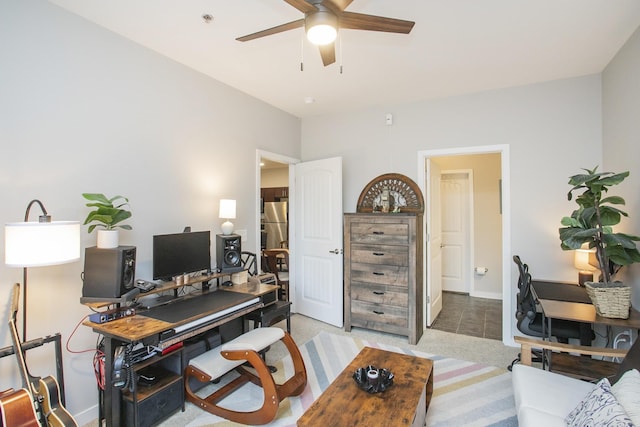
pixel 109 315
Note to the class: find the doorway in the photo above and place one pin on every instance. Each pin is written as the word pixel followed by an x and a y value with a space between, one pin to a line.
pixel 489 247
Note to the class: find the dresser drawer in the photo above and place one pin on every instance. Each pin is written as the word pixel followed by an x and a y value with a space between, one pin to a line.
pixel 378 295
pixel 380 274
pixel 385 234
pixel 365 313
pixel 380 254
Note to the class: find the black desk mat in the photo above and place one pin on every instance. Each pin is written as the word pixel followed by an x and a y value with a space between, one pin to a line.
pixel 192 307
pixel 560 291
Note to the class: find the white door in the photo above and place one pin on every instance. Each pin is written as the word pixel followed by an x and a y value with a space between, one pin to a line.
pixel 319 291
pixel 434 243
pixel 455 207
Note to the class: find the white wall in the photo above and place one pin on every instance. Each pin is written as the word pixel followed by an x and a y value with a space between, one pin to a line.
pixel 621 130
pixel 274 177
pixel 552 128
pixel 84 110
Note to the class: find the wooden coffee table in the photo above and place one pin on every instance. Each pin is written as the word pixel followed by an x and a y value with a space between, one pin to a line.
pixel 405 403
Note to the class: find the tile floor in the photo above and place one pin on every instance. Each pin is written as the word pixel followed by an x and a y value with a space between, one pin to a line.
pixel 465 315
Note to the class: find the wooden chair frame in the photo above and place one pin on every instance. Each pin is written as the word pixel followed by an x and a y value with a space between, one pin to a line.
pixel 273 393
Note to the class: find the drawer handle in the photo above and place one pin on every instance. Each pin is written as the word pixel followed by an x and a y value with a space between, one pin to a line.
pixel 378 312
pixel 375 273
pixel 378 232
pixel 378 253
pixel 378 293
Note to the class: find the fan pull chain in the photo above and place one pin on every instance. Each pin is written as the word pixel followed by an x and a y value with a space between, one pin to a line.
pixel 340 50
pixel 302 52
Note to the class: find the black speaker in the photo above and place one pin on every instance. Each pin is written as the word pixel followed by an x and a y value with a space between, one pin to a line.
pixel 228 253
pixel 108 273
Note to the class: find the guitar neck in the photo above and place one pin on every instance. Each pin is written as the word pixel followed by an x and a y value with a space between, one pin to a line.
pixel 28 381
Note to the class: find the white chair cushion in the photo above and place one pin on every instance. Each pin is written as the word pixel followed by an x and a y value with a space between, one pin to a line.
pixel 215 365
pixel 546 392
pixel 256 339
pixel 599 408
pixel 627 392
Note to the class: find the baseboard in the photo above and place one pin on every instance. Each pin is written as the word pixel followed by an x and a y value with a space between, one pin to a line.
pixel 489 295
pixel 87 417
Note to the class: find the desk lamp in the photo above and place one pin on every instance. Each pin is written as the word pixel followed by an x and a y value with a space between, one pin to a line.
pixel 37 244
pixel 581 262
pixel 227 211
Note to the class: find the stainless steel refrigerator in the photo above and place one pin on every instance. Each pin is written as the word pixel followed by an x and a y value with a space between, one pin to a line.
pixel 275 223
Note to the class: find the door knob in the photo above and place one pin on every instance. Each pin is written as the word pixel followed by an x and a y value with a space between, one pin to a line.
pixel 336 251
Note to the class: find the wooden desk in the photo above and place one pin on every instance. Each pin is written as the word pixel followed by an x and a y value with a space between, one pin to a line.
pixel 560 300
pixel 579 310
pixel 146 329
pixel 405 403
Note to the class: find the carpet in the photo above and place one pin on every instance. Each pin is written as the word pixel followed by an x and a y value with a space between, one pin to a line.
pixel 464 393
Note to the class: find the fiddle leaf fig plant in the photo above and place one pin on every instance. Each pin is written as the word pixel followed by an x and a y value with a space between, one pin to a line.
pixel 592 223
pixel 108 212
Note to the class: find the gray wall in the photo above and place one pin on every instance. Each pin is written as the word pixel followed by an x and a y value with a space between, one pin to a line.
pixel 85 110
pixel 621 135
pixel 552 129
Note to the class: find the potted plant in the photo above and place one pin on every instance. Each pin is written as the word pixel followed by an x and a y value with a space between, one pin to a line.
pixel 109 214
pixel 592 224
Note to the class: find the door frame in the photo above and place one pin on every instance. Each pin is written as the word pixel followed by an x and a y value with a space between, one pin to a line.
pixel 470 235
pixel 508 306
pixel 262 154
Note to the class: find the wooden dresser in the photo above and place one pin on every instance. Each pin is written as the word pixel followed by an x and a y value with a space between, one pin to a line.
pixel 383 273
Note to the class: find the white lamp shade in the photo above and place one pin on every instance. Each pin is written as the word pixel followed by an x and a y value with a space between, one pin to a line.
pixel 227 209
pixel 34 244
pixel 581 259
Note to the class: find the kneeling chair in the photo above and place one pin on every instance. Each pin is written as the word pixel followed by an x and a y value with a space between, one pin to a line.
pixel 214 363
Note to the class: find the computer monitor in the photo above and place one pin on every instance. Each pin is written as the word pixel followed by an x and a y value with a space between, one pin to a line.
pixel 181 253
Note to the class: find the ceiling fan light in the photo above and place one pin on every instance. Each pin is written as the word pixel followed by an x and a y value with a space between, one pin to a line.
pixel 321 27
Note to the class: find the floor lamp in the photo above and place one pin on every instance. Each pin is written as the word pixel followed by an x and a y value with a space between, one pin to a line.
pixel 37 244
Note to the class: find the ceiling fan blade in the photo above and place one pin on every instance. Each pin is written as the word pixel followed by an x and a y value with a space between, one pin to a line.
pixel 274 30
pixel 336 6
pixel 360 21
pixel 302 5
pixel 328 53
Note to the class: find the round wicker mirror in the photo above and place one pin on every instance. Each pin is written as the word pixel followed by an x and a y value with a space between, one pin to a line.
pixel 391 192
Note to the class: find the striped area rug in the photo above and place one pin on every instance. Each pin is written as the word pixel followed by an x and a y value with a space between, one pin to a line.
pixel 465 393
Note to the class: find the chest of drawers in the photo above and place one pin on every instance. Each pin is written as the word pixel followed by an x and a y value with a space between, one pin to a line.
pixel 383 273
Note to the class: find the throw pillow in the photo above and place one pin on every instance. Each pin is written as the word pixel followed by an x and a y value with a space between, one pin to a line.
pixel 599 408
pixel 627 391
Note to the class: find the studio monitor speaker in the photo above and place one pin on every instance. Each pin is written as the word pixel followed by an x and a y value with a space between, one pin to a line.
pixel 228 253
pixel 108 273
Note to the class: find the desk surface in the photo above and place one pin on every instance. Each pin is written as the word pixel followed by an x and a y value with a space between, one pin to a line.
pixel 560 300
pixel 585 313
pixel 154 321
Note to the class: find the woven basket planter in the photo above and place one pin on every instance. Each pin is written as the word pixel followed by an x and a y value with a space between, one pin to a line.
pixel 612 300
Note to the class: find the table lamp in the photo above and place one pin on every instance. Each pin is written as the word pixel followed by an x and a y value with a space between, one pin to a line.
pixel 581 262
pixel 227 211
pixel 37 244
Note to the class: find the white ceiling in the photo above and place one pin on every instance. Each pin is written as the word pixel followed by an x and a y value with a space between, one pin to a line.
pixel 456 46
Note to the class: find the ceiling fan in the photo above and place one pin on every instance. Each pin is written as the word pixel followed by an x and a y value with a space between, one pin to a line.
pixel 323 18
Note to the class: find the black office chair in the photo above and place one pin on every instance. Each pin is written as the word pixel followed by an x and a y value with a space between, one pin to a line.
pixel 529 319
pixel 249 262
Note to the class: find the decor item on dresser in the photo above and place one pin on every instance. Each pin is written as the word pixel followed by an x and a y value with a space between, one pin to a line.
pixel 107 213
pixel 383 259
pixel 592 224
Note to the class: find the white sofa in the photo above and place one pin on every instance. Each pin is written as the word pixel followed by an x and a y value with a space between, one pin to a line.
pixel 545 398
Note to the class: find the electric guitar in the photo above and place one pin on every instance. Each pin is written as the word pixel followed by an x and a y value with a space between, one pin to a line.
pixel 44 392
pixel 16 408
